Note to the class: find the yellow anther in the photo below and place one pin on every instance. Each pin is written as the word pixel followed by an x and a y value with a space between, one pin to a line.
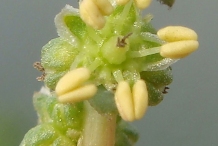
pixel 142 4
pixel 79 94
pixel 140 98
pixel 91 14
pixel 124 102
pixel 177 33
pixel 131 106
pixel 72 80
pixel 71 88
pixel 104 6
pixel 178 49
pixel 122 2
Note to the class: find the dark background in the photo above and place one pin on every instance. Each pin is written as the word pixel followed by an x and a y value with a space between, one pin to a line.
pixel 188 116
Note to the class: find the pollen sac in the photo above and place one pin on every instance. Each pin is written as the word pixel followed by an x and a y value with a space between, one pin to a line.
pixel 178 49
pixel 72 80
pixel 124 101
pixel 70 87
pixel 140 99
pixel 182 41
pixel 91 15
pixel 177 33
pixel 104 6
pixel 142 4
pixel 122 2
pixel 79 94
pixel 131 105
pixel 93 11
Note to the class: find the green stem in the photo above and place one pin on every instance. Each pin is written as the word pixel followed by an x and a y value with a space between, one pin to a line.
pixel 99 130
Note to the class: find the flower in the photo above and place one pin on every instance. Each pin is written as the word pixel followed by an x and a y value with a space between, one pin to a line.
pixel 105 68
pixel 120 51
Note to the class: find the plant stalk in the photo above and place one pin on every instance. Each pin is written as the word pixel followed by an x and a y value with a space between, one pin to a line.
pixel 99 130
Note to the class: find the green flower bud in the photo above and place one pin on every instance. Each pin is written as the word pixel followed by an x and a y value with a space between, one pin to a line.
pixel 63 116
pixel 58 55
pixel 158 78
pixel 155 95
pixel 44 135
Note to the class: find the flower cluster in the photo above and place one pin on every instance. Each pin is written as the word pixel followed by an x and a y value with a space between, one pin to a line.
pixel 110 44
pixel 105 68
pixel 122 54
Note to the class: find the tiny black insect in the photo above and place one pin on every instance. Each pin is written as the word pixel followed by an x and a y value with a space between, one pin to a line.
pixel 165 90
pixel 167 2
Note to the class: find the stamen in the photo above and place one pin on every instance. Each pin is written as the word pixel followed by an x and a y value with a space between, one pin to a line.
pixel 123 15
pixel 76 61
pixel 80 94
pixel 159 65
pixel 131 106
pixel 104 6
pixel 90 14
pixel 70 87
pixel 124 102
pixel 177 33
pixel 122 2
pixel 93 35
pixel 142 4
pixel 118 75
pixel 178 49
pixel 95 64
pixel 72 80
pixel 144 52
pixel 140 99
pixel 147 36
